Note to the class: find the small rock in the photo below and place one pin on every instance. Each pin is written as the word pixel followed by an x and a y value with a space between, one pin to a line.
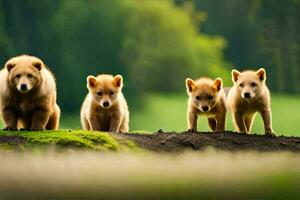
pixel 160 131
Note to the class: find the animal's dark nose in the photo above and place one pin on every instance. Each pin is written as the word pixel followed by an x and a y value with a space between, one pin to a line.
pixel 205 108
pixel 105 104
pixel 23 86
pixel 247 95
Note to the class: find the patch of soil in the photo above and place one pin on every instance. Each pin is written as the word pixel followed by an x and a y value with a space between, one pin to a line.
pixel 176 142
pixel 12 139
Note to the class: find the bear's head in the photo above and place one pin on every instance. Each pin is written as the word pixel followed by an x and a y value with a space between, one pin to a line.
pixel 204 93
pixel 249 84
pixel 105 89
pixel 24 73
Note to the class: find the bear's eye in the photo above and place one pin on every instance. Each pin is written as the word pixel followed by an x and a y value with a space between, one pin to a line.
pixel 99 93
pixel 241 85
pixel 112 93
pixel 18 76
pixel 210 97
pixel 29 76
pixel 198 98
pixel 253 84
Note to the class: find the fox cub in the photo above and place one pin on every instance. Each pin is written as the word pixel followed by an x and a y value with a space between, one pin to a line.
pixel 206 97
pixel 248 96
pixel 105 108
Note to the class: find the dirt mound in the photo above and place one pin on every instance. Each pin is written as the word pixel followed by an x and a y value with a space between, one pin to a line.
pixel 158 142
pixel 176 142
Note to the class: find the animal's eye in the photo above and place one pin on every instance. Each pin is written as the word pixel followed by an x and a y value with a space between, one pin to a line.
pixel 112 93
pixel 210 97
pixel 99 93
pixel 18 76
pixel 253 84
pixel 241 85
pixel 29 76
pixel 198 98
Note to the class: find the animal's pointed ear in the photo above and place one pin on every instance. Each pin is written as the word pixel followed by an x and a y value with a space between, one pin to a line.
pixel 235 75
pixel 118 81
pixel 91 81
pixel 9 66
pixel 261 73
pixel 218 84
pixel 39 65
pixel 190 84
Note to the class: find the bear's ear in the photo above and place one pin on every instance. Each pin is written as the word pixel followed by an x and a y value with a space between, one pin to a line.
pixel 235 75
pixel 261 73
pixel 218 84
pixel 91 81
pixel 118 81
pixel 9 66
pixel 190 84
pixel 38 65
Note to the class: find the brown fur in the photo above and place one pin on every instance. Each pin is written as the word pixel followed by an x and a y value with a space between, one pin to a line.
pixel 244 109
pixel 33 108
pixel 205 92
pixel 94 115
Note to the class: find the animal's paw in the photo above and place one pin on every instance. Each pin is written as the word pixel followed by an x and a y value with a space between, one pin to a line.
pixel 24 129
pixel 10 128
pixel 270 133
pixel 192 130
pixel 37 128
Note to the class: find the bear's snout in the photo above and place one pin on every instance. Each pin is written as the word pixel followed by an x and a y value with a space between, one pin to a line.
pixel 105 104
pixel 23 87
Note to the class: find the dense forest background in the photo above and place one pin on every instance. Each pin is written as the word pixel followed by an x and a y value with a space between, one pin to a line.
pixel 154 44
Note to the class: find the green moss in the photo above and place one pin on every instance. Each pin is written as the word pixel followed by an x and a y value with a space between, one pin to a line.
pixel 77 139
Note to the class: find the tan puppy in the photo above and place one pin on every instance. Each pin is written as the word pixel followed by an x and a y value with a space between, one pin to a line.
pixel 206 97
pixel 105 108
pixel 28 95
pixel 248 96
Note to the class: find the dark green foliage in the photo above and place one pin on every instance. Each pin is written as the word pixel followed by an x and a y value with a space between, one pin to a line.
pixel 163 48
pixel 138 39
pixel 259 33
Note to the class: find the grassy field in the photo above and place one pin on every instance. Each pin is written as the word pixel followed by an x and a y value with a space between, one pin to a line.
pixel 168 112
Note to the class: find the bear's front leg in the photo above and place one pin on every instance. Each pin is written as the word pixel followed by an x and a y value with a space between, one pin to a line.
pixel 220 118
pixel 94 123
pixel 239 123
pixel 267 118
pixel 40 119
pixel 10 119
pixel 192 121
pixel 115 123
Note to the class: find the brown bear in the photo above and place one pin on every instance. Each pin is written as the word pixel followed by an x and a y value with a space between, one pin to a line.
pixel 28 95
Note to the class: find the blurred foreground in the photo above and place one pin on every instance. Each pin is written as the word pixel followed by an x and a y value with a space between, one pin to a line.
pixel 207 175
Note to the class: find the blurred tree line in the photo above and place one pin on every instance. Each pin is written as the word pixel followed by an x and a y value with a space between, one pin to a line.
pixel 259 33
pixel 154 44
